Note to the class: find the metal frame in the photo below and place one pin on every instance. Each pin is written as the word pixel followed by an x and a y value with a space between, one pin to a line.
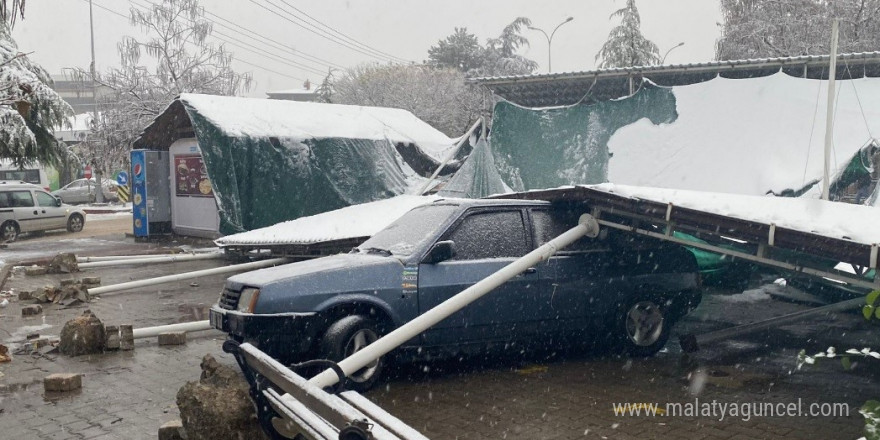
pixel 774 246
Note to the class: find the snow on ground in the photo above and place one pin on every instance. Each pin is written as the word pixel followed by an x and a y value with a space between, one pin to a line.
pixel 362 220
pixel 108 216
pixel 746 136
pixel 309 120
pixel 831 219
pixel 748 296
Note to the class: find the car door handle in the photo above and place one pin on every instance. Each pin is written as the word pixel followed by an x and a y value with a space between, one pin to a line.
pixel 36 213
pixel 44 211
pixel 530 270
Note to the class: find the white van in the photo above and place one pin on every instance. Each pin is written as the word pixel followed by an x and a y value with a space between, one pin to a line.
pixel 25 207
pixel 34 174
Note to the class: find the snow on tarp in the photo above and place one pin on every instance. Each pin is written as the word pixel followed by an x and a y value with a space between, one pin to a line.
pixel 255 117
pixel 273 160
pixel 361 220
pixel 477 177
pixel 741 136
pixel 747 136
pixel 830 219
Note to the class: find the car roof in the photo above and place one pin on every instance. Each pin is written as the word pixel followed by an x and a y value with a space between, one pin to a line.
pixel 491 202
pixel 17 184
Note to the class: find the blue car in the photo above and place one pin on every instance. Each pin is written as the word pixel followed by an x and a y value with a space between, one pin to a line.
pixel 631 289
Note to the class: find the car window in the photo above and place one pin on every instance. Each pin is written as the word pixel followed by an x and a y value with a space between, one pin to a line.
pixel 75 184
pixel 490 235
pixel 5 200
pixel 548 227
pixel 44 199
pixel 22 199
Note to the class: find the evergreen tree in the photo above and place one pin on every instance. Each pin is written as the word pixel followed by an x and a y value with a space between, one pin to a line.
pixel 462 51
pixel 29 108
pixel 626 46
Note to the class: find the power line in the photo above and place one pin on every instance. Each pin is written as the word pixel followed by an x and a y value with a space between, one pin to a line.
pixel 346 37
pixel 282 46
pixel 233 57
pixel 265 53
pixel 320 33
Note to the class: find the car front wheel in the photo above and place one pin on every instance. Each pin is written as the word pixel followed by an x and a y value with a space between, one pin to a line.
pixel 347 336
pixel 8 231
pixel 75 223
pixel 643 326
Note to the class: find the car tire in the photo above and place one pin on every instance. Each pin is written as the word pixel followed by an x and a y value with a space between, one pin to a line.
pixel 9 231
pixel 346 336
pixel 642 325
pixel 75 223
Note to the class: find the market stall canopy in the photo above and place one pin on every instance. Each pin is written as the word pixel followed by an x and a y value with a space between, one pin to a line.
pixel 273 160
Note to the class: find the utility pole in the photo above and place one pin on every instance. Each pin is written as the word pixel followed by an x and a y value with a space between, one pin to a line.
pixel 663 61
pixel 829 122
pixel 99 192
pixel 550 39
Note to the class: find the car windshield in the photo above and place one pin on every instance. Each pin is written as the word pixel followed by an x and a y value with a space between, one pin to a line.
pixel 405 235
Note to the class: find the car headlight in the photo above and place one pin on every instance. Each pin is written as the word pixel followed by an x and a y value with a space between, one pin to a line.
pixel 248 299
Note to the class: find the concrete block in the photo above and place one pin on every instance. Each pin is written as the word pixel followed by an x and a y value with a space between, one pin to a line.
pixel 172 430
pixel 68 282
pixel 92 281
pixel 25 295
pixel 31 310
pixel 33 271
pixel 111 333
pixel 172 338
pixel 62 382
pixel 126 337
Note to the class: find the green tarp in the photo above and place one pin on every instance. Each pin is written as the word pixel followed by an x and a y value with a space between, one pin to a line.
pixel 551 147
pixel 477 176
pixel 260 180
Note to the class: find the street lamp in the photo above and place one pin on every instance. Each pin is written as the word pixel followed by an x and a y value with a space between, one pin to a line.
pixel 670 50
pixel 550 38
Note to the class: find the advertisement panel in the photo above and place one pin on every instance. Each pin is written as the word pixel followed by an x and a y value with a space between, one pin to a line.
pixel 139 193
pixel 191 176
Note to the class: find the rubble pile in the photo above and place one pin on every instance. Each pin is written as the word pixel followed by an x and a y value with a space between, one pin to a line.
pixel 71 292
pixel 218 406
pixel 83 335
pixel 63 263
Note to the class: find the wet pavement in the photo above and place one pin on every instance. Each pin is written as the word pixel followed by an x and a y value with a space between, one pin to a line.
pixel 128 395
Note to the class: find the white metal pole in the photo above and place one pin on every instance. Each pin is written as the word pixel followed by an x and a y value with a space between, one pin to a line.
pixel 587 225
pixel 829 121
pixel 153 259
pixel 134 257
pixel 451 156
pixel 151 332
pixel 186 276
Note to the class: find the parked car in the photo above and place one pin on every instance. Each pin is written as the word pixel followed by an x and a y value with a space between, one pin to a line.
pixel 331 307
pixel 25 207
pixel 85 191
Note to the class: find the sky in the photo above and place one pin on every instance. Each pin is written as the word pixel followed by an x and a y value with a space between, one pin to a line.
pixel 57 32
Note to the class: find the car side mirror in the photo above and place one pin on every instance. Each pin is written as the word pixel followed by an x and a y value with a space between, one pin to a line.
pixel 441 251
pixel 57 201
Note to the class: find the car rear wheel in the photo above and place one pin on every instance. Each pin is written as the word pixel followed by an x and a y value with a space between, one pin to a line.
pixel 347 336
pixel 9 231
pixel 643 326
pixel 75 223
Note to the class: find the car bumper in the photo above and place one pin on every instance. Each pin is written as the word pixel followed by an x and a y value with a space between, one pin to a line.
pixel 280 335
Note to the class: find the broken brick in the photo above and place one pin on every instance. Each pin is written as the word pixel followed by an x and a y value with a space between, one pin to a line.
pixel 172 430
pixel 172 338
pixel 31 310
pixel 62 382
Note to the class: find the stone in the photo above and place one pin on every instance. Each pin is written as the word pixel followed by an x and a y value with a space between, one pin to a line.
pixel 33 271
pixel 63 263
pixel 62 382
pixel 218 406
pixel 4 354
pixel 31 310
pixel 92 281
pixel 68 282
pixel 111 333
pixel 172 430
pixel 25 295
pixel 126 337
pixel 82 335
pixel 172 338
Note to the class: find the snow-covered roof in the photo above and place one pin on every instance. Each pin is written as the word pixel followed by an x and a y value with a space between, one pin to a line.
pixel 746 136
pixel 355 221
pixel 856 223
pixel 255 117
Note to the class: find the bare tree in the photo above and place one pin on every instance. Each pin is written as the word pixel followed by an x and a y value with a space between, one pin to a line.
pixel 184 63
pixel 438 96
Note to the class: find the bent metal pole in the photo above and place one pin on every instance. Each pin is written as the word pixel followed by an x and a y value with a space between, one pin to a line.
pixel 186 276
pixel 151 332
pixel 587 225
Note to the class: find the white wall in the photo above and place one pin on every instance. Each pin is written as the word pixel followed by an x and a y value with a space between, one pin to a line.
pixel 197 216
